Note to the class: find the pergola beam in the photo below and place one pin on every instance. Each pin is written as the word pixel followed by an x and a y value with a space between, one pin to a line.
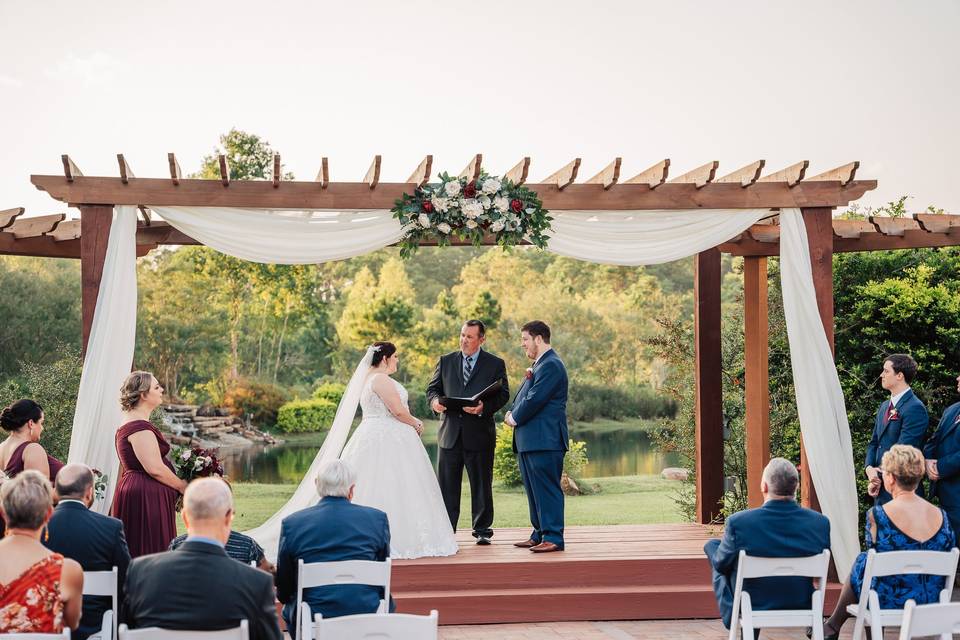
pixel 125 171
pixel 372 179
pixel 224 170
pixel 323 176
pixel 564 176
pixel 792 175
pixel 66 230
pixel 277 176
pixel 654 176
pixel 745 176
pixel 472 170
pixel 36 226
pixel 701 176
pixel 844 174
pixel 609 176
pixel 174 168
pixel 70 170
pixel 7 216
pixel 421 174
pixel 518 174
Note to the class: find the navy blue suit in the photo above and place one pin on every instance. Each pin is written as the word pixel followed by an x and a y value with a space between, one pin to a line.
pixel 95 541
pixel 909 426
pixel 540 441
pixel 332 530
pixel 944 447
pixel 778 529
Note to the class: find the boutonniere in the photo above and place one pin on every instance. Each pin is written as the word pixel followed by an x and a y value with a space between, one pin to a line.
pixel 528 374
pixel 893 413
pixel 957 419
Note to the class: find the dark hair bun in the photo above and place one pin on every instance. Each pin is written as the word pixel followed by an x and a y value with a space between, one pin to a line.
pixel 14 416
pixel 382 351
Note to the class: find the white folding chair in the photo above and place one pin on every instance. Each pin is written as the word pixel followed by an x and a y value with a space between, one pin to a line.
pixel 930 620
pixel 372 626
pixel 321 574
pixel 894 563
pixel 155 633
pixel 744 617
pixel 36 636
pixel 103 583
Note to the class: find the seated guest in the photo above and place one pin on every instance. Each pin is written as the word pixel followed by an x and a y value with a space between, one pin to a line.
pixel 240 547
pixel 779 529
pixel 40 591
pixel 942 452
pixel 332 530
pixel 95 541
pixel 898 526
pixel 197 587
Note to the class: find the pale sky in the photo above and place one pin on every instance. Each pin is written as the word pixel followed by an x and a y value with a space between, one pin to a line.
pixel 830 82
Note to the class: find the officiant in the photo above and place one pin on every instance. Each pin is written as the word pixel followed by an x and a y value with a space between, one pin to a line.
pixel 468 434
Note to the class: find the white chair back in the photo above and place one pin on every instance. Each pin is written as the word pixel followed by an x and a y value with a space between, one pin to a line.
pixel 372 626
pixel 322 574
pixel 36 636
pixel 154 633
pixel 745 617
pixel 894 563
pixel 104 583
pixel 930 620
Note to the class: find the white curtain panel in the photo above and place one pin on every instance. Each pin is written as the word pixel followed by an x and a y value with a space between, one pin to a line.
pixel 109 355
pixel 284 236
pixel 634 238
pixel 820 404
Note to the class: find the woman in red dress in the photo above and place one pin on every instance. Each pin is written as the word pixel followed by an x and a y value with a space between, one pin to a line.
pixel 146 494
pixel 40 591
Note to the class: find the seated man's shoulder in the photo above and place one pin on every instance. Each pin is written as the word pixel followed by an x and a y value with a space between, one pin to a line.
pixel 371 512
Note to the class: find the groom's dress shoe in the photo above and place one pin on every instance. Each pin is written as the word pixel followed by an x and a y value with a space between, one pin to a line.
pixel 483 540
pixel 526 544
pixel 546 547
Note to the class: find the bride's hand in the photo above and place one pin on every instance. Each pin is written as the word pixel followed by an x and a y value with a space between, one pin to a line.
pixel 419 427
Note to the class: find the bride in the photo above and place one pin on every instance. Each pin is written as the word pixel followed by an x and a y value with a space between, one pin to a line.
pixel 394 473
pixel 392 467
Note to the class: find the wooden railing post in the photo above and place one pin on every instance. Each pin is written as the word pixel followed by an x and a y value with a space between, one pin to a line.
pixel 709 385
pixel 819 224
pixel 95 221
pixel 756 363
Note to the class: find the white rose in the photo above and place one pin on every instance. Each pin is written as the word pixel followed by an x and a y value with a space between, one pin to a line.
pixel 485 201
pixel 443 227
pixel 424 220
pixel 472 209
pixel 471 224
pixel 491 185
pixel 501 203
pixel 452 188
pixel 440 204
pixel 497 226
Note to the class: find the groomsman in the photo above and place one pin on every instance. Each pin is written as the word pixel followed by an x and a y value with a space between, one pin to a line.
pixel 468 436
pixel 942 452
pixel 900 420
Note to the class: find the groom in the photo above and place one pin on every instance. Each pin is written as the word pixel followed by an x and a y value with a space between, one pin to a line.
pixel 468 437
pixel 539 418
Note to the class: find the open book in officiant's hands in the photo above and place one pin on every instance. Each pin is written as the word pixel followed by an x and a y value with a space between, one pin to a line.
pixel 472 401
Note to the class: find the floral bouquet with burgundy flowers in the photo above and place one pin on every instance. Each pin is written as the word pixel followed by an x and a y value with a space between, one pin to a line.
pixel 469 209
pixel 100 481
pixel 195 462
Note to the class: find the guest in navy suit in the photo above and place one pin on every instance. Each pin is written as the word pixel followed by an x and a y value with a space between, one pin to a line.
pixel 779 529
pixel 900 420
pixel 95 541
pixel 539 418
pixel 332 530
pixel 943 463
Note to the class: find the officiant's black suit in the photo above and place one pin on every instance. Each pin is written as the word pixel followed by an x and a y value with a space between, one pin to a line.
pixel 467 440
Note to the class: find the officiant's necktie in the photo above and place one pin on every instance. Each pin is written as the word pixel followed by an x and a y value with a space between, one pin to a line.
pixel 467 369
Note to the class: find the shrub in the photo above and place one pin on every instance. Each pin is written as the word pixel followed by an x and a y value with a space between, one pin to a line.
pixel 332 391
pixel 507 471
pixel 306 415
pixel 589 401
pixel 260 399
pixel 418 400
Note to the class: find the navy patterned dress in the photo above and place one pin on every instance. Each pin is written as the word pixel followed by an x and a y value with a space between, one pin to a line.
pixel 894 591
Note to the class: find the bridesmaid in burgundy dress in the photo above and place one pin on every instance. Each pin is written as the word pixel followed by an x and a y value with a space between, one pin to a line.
pixel 146 494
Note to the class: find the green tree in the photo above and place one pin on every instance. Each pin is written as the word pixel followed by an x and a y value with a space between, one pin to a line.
pixel 249 157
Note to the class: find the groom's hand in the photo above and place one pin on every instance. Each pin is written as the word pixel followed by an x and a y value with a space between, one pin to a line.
pixel 476 411
pixel 437 407
pixel 509 419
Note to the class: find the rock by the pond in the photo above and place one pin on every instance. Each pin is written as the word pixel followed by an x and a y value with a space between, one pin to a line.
pixel 675 473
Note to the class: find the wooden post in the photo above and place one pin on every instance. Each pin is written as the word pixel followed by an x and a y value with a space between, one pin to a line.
pixel 709 385
pixel 819 224
pixel 95 223
pixel 756 362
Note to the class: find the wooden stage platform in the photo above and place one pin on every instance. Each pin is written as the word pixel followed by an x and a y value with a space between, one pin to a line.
pixel 632 572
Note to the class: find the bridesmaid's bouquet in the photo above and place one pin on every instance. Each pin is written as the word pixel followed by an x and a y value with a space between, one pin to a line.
pixel 194 462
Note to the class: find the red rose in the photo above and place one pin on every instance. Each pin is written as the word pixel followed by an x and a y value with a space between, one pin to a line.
pixel 470 191
pixel 516 205
pixel 427 206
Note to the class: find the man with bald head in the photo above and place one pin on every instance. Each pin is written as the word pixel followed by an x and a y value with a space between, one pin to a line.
pixel 197 587
pixel 95 541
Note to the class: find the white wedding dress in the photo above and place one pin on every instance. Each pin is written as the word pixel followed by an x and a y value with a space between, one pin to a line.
pixel 394 474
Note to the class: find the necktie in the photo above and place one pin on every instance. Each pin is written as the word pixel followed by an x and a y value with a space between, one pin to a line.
pixel 467 369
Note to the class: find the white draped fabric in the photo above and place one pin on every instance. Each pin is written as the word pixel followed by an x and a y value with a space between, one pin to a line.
pixel 820 404
pixel 611 237
pixel 109 355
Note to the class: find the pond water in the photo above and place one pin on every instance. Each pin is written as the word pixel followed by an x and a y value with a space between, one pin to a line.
pixel 611 453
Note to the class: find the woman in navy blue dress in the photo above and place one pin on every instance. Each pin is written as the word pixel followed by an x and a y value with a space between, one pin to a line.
pixel 906 523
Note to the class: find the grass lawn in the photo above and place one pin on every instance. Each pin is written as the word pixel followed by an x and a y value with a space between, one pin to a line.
pixel 619 500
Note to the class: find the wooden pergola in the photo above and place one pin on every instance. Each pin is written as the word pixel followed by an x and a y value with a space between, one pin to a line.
pixel 700 188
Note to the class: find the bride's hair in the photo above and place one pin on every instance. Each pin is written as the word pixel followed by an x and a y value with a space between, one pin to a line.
pixel 382 351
